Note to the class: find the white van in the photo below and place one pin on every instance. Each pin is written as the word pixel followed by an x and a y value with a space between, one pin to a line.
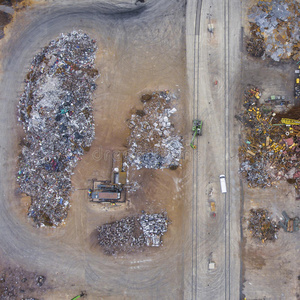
pixel 223 184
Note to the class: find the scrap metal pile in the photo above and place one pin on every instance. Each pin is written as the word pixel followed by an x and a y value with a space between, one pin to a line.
pixel 271 148
pixel 56 113
pixel 255 44
pixel 153 226
pixel 261 226
pixel 274 27
pixel 154 142
pixel 132 233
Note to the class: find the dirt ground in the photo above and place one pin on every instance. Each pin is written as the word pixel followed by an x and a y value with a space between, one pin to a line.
pixel 270 270
pixel 140 51
pixel 135 56
pixel 129 69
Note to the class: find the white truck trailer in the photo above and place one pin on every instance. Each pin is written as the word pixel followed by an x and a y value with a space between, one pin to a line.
pixel 223 184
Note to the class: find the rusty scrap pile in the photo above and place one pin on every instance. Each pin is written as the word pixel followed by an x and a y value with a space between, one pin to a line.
pixel 270 151
pixel 261 226
pixel 256 44
pixel 276 24
pixel 132 233
pixel 121 236
pixel 56 113
pixel 153 142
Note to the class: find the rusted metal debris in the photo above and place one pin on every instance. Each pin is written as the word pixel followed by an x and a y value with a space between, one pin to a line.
pixel 255 45
pixel 270 149
pixel 261 226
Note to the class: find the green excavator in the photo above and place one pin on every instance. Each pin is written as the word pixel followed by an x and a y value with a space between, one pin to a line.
pixel 197 130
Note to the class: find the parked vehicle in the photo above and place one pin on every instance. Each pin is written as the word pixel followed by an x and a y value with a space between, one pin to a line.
pixel 213 209
pixel 223 184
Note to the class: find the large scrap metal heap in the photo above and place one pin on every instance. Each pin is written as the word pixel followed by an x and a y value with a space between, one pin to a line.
pixel 154 142
pixel 270 150
pixel 274 27
pixel 132 233
pixel 56 113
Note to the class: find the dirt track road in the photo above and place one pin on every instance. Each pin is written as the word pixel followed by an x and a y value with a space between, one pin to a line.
pixel 211 58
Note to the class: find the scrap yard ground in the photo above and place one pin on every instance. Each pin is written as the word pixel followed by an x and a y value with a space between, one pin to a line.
pixel 144 47
pixel 138 52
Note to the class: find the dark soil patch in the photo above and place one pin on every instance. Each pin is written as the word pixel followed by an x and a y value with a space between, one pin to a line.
pixel 255 260
pixel 16 283
pixel 5 19
pixel 9 2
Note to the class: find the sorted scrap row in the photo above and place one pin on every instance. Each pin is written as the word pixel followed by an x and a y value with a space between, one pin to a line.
pixel 56 113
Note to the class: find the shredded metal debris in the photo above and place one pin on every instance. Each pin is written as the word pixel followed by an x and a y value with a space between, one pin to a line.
pixel 261 226
pixel 271 148
pixel 56 113
pixel 132 233
pixel 154 142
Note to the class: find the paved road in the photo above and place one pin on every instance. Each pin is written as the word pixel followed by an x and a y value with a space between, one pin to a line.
pixel 211 58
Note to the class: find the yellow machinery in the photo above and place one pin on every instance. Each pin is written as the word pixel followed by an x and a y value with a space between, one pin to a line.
pixel 213 209
pixel 290 121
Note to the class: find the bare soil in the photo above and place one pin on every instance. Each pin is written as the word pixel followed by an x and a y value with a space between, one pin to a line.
pixel 270 268
pixel 135 56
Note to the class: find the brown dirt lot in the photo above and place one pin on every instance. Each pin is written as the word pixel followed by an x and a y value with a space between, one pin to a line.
pixel 270 269
pixel 136 55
